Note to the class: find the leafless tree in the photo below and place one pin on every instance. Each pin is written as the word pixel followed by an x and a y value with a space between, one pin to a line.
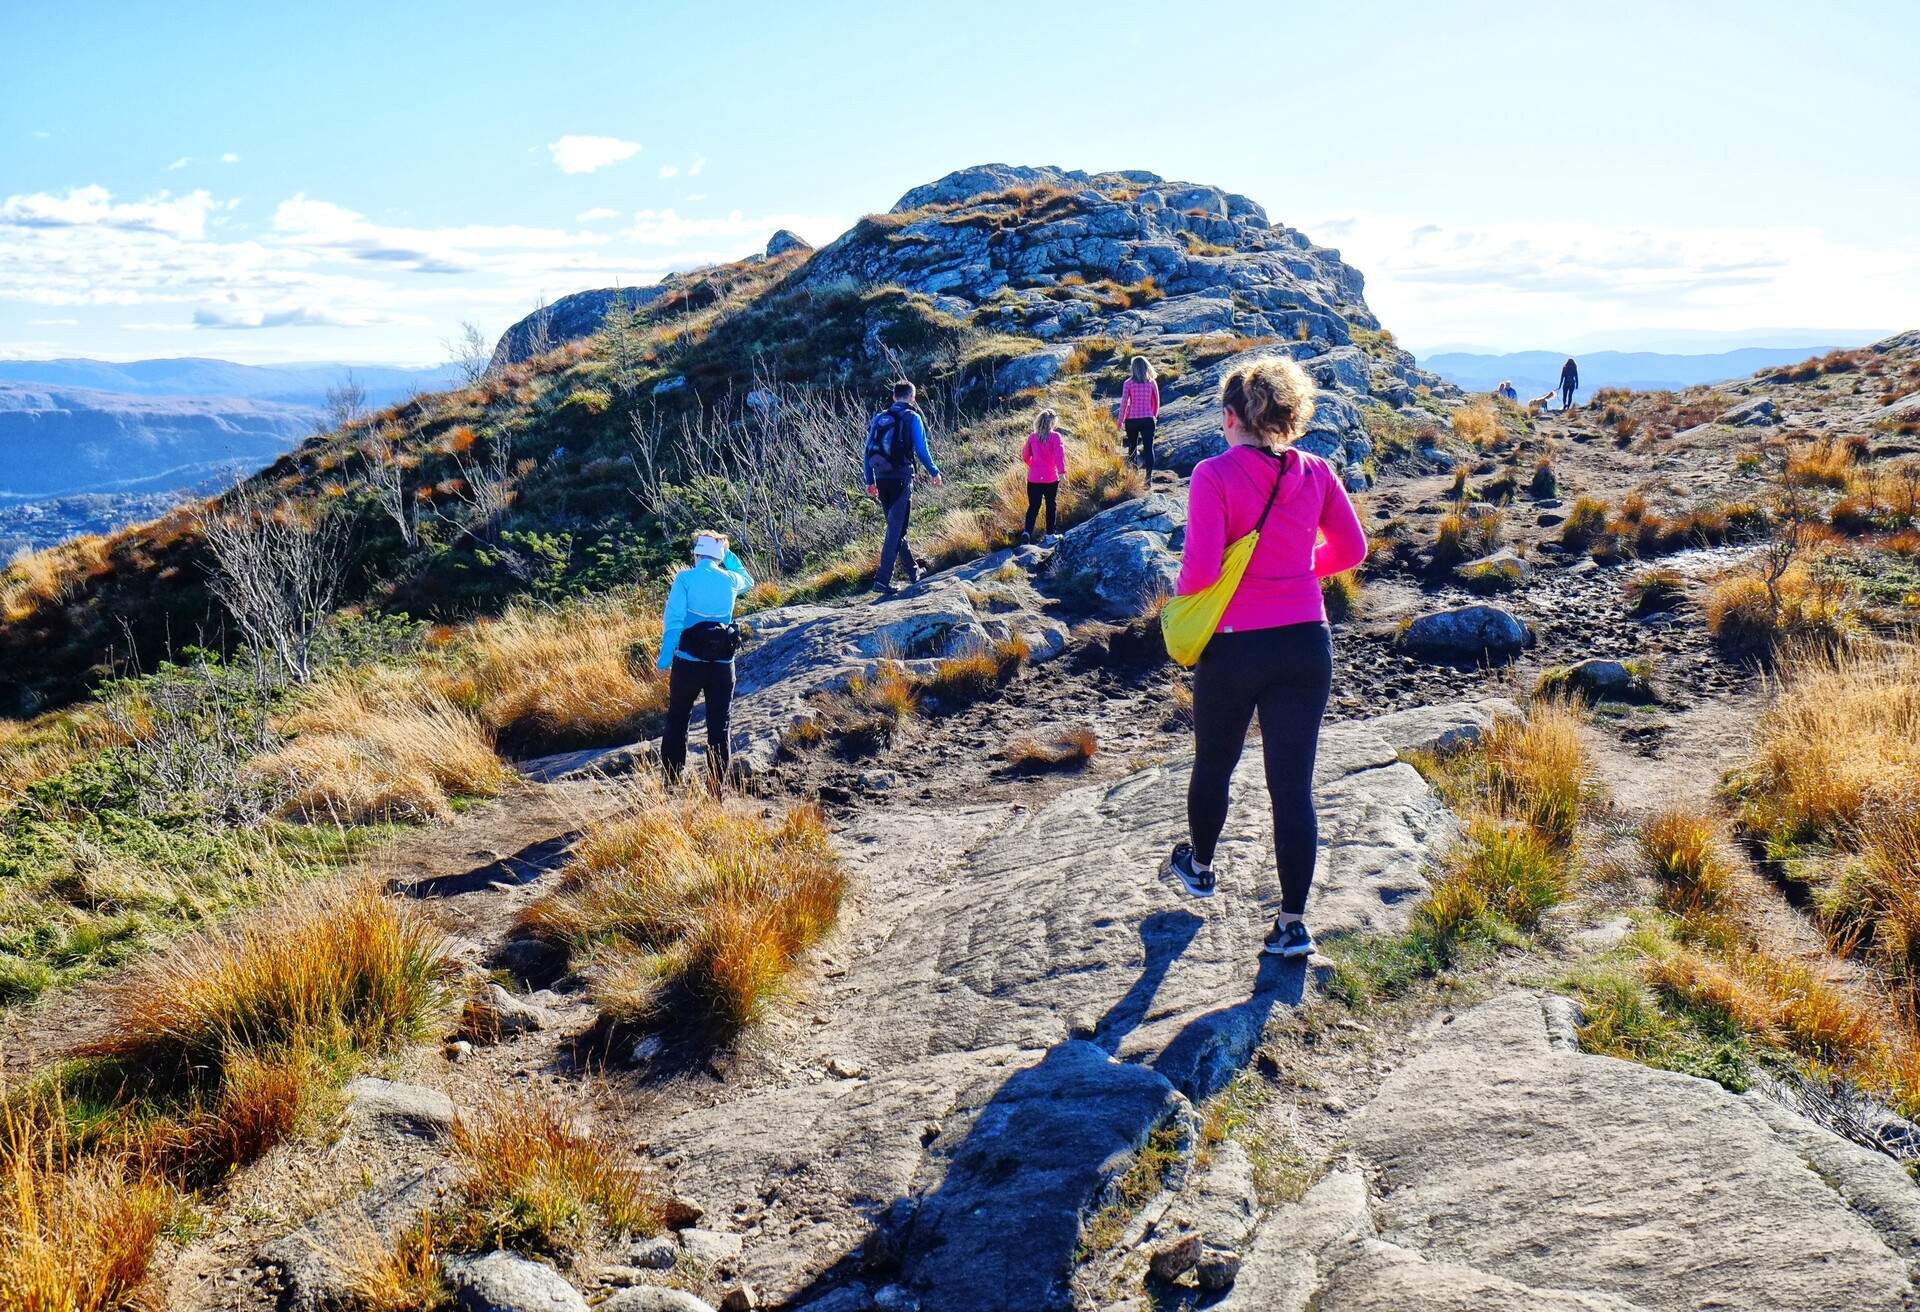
pixel 487 488
pixel 346 404
pixel 774 468
pixel 387 468
pixel 278 567
pixel 469 354
pixel 539 329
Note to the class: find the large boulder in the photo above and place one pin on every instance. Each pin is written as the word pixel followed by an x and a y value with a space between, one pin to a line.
pixel 1468 633
pixel 569 318
pixel 1123 559
pixel 1034 370
pixel 506 1282
pixel 786 240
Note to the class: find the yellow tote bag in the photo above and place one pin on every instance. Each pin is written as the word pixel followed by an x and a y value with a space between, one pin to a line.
pixel 1188 623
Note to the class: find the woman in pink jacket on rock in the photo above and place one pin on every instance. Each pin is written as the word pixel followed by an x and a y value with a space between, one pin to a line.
pixel 1273 652
pixel 1046 461
pixel 1139 411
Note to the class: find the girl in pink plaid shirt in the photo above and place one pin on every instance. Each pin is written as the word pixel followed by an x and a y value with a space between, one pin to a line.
pixel 1139 408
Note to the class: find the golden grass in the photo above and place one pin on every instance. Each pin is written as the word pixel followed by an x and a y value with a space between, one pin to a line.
pixel 218 1048
pixel 1341 593
pixel 1684 848
pixel 34 580
pixel 1536 769
pixel 1463 536
pixel 76 1234
pixel 1500 868
pixel 533 1181
pixel 549 679
pixel 377 747
pixel 1478 423
pixel 974 674
pixel 1075 746
pixel 690 899
pixel 407 1276
pixel 1824 462
pixel 1097 476
pixel 1743 615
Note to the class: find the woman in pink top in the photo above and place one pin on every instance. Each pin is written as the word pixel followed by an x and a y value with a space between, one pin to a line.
pixel 1140 410
pixel 1273 652
pixel 1046 461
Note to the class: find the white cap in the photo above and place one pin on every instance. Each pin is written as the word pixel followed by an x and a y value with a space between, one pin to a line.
pixel 707 546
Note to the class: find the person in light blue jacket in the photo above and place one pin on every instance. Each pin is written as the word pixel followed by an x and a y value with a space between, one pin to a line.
pixel 697 644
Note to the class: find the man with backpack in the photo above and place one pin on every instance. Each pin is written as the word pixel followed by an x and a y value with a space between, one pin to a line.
pixel 896 438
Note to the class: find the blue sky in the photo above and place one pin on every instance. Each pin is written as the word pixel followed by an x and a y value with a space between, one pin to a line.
pixel 352 181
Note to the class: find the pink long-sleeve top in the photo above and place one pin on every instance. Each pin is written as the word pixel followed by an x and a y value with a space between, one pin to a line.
pixel 1311 532
pixel 1139 400
pixel 1046 457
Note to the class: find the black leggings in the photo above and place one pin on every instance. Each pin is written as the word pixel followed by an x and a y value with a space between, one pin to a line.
pixel 1140 434
pixel 1038 494
pixel 686 683
pixel 1285 675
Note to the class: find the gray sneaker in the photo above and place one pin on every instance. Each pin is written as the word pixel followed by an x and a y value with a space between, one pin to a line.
pixel 1289 940
pixel 1198 882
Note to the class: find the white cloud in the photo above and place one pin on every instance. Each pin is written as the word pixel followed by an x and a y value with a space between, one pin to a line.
pixel 53 323
pixel 229 158
pixel 669 170
pixel 598 214
pixel 85 207
pixel 1517 285
pixel 578 154
pixel 180 163
pixel 699 163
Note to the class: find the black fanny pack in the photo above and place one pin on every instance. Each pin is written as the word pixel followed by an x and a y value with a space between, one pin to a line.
pixel 710 640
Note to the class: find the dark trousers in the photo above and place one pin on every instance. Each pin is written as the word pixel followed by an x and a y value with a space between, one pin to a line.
pixel 1284 675
pixel 687 682
pixel 1039 494
pixel 896 499
pixel 1140 434
pixel 1566 395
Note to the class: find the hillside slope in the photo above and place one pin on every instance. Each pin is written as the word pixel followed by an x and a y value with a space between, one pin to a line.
pixel 526 483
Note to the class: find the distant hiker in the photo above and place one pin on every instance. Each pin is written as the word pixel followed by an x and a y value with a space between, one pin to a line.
pixel 895 439
pixel 1569 380
pixel 697 645
pixel 1140 410
pixel 1271 652
pixel 1507 391
pixel 1046 460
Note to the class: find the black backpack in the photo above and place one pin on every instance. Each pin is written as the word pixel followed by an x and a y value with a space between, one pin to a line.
pixel 890 439
pixel 710 640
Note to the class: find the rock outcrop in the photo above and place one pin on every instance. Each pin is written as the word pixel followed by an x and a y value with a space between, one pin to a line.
pixel 1499 1171
pixel 569 318
pixel 1031 1001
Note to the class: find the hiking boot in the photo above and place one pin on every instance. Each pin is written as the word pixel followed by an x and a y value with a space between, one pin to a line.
pixel 884 590
pixel 1288 940
pixel 1198 882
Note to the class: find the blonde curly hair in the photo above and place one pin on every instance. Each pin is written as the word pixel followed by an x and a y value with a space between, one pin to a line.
pixel 1272 398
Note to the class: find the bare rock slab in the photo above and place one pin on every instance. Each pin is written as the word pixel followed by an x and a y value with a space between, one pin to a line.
pixel 405 1108
pixel 506 1282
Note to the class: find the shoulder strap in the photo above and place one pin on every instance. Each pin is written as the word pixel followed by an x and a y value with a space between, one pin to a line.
pixel 1278 479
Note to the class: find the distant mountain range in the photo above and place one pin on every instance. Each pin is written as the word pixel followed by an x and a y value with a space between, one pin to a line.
pixel 1535 373
pixel 294 384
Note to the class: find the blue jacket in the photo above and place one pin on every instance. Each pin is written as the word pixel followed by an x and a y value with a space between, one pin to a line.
pixel 706 590
pixel 911 418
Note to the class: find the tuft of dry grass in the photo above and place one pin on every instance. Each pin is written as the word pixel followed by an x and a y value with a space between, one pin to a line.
pixel 975 674
pixel 1463 536
pixel 533 1180
pixel 1654 590
pixel 1478 423
pixel 547 679
pixel 1340 594
pixel 1684 848
pixel 379 748
pixel 1502 869
pixel 1745 616
pixel 77 1234
pixel 688 902
pixel 1823 462
pixel 216 1050
pixel 1536 769
pixel 1585 524
pixel 1073 747
pixel 1835 765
